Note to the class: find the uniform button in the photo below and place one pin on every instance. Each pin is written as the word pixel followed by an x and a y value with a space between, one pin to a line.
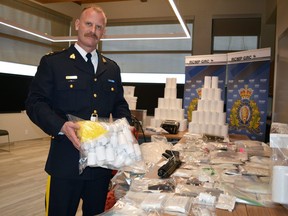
pixel 71 86
pixel 112 89
pixel 95 79
pixel 95 111
pixel 94 95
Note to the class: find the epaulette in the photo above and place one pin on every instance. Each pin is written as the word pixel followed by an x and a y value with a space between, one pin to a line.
pixel 55 52
pixel 105 59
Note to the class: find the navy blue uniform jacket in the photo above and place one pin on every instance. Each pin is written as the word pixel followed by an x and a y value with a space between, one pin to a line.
pixel 63 85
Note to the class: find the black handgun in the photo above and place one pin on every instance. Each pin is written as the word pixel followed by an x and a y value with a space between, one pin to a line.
pixel 172 164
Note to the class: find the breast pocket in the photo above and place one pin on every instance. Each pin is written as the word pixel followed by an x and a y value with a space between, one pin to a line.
pixel 106 97
pixel 110 87
pixel 73 95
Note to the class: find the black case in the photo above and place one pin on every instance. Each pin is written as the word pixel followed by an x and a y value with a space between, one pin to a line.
pixel 171 126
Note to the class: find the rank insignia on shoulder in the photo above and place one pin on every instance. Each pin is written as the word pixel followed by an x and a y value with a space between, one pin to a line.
pixel 72 56
pixel 54 52
pixel 104 60
pixel 50 53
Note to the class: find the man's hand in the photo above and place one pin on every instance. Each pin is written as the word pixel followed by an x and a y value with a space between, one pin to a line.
pixel 69 129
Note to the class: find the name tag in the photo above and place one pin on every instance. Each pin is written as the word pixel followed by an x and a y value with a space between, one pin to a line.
pixel 71 77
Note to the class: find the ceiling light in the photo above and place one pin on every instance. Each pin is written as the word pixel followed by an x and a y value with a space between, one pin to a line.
pixel 55 39
pixel 22 29
pixel 184 27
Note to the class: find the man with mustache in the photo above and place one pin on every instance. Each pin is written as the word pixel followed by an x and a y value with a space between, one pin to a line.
pixel 66 84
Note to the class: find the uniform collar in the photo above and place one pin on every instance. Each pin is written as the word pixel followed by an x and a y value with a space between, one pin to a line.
pixel 83 52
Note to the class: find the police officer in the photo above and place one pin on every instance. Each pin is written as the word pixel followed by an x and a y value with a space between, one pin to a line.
pixel 66 84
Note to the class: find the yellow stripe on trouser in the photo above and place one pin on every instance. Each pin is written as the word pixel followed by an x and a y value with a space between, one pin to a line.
pixel 47 195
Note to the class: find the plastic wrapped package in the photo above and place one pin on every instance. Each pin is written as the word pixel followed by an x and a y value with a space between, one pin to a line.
pixel 135 198
pixel 198 209
pixel 207 174
pixel 226 202
pixel 251 184
pixel 158 138
pixel 192 143
pixel 190 137
pixel 185 173
pixel 279 145
pixel 108 145
pixel 154 202
pixel 120 184
pixel 177 205
pixel 204 204
pixel 263 161
pixel 195 157
pixel 152 151
pixel 249 190
pixel 252 147
pixel 247 169
pixel 206 199
pixel 241 196
pixel 228 157
pixel 153 185
pixel 194 191
pixel 253 187
pixel 124 209
pixel 188 190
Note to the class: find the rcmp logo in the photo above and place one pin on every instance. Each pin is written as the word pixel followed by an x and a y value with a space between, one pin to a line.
pixel 245 112
pixel 193 104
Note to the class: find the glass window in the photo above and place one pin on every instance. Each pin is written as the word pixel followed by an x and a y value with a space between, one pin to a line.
pixel 166 63
pixel 234 43
pixel 235 34
pixel 147 45
pixel 165 56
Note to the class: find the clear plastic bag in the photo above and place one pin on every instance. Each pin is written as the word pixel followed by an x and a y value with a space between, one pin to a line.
pixel 177 205
pixel 108 145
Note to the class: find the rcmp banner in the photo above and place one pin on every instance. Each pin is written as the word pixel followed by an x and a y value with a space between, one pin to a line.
pixel 196 68
pixel 247 92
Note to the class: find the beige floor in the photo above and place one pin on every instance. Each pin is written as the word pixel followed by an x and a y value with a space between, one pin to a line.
pixel 23 179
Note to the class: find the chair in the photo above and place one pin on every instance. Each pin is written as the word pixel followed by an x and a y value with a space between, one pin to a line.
pixel 5 133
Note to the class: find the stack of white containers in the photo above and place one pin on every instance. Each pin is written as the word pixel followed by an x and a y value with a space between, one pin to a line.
pixel 129 96
pixel 169 107
pixel 209 117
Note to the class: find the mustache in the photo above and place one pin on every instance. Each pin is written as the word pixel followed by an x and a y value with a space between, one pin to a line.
pixel 90 34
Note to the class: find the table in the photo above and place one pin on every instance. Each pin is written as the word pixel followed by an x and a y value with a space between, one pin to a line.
pixel 180 134
pixel 177 136
pixel 243 209
pixel 240 209
pixel 248 210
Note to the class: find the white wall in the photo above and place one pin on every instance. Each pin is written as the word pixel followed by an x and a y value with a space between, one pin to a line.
pixel 19 127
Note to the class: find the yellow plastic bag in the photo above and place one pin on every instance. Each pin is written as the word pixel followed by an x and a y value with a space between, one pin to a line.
pixel 90 130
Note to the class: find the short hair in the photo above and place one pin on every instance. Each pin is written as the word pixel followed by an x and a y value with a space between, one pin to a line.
pixel 96 9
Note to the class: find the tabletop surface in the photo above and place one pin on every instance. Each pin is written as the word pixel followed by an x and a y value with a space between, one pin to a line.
pixel 240 209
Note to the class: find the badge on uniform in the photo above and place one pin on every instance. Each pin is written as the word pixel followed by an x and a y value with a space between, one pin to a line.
pixel 72 56
pixel 71 77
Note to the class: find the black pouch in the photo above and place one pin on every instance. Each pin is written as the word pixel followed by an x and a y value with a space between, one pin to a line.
pixel 170 126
